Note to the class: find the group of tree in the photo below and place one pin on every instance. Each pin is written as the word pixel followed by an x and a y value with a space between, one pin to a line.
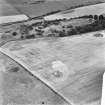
pixel 98 24
pixel 95 17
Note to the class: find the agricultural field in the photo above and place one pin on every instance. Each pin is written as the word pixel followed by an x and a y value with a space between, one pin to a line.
pixel 19 87
pixel 35 8
pixel 71 66
pixel 78 12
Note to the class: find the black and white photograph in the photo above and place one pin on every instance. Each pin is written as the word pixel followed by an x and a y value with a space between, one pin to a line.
pixel 52 52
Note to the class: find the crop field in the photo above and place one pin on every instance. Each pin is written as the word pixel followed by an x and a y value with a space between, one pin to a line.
pixel 78 12
pixel 19 87
pixel 34 8
pixel 7 9
pixel 72 67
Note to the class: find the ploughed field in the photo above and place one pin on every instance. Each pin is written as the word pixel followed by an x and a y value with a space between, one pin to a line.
pixel 78 12
pixel 34 8
pixel 69 70
pixel 19 87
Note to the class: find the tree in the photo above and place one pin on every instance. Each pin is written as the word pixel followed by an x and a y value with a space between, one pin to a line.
pixel 72 32
pixel 24 30
pixel 62 33
pixel 101 17
pixel 98 35
pixel 30 36
pixel 90 16
pixel 14 33
pixel 30 27
pixel 96 17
